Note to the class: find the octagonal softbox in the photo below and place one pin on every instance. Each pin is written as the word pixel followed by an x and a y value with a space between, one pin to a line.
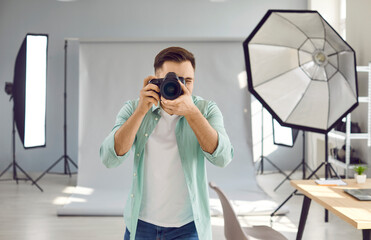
pixel 301 70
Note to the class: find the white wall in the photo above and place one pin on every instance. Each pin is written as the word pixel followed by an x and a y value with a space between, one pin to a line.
pixel 358 35
pixel 329 9
pixel 358 29
pixel 111 19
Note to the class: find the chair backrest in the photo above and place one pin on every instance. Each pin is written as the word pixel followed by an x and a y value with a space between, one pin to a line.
pixel 232 227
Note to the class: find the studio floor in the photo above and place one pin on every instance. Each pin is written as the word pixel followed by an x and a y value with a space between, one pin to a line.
pixel 28 214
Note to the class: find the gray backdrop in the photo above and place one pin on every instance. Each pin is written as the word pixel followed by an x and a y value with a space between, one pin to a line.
pixel 111 19
pixel 112 73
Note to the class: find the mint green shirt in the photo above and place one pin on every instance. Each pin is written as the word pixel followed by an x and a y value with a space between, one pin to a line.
pixel 191 155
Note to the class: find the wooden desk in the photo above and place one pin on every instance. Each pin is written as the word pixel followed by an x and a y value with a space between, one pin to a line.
pixel 333 198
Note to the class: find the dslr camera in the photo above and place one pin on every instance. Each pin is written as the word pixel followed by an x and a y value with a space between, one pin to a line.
pixel 169 85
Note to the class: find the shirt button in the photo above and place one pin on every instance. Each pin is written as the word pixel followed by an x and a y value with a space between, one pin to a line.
pixel 156 119
pixel 146 134
pixel 135 174
pixel 137 154
pixel 132 195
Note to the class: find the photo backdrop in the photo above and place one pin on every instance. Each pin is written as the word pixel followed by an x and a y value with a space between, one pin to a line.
pixel 112 72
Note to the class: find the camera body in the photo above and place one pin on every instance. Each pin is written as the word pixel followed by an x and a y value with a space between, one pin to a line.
pixel 169 85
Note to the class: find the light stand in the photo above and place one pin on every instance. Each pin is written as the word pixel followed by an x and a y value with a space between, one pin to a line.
pixel 262 157
pixel 65 156
pixel 302 163
pixel 14 163
pixel 328 168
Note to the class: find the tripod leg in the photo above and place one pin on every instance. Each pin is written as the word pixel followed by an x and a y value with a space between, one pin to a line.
pixel 33 182
pixel 72 161
pixel 330 173
pixel 329 168
pixel 6 169
pixel 15 177
pixel 337 175
pixel 292 194
pixel 311 170
pixel 48 169
pixel 260 167
pixel 315 171
pixel 287 178
pixel 279 207
pixel 68 168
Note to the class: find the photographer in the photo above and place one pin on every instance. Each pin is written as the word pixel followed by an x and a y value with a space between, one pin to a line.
pixel 171 133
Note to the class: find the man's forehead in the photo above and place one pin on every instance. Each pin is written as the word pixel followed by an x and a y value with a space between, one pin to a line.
pixel 183 64
pixel 182 69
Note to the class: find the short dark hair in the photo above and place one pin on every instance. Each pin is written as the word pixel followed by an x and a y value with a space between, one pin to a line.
pixel 173 54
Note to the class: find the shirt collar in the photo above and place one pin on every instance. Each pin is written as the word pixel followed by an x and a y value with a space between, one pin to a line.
pixel 154 107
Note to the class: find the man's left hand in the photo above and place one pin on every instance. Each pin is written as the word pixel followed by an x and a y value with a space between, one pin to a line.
pixel 182 106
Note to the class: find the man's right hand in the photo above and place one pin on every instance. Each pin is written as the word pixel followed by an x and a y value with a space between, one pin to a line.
pixel 148 95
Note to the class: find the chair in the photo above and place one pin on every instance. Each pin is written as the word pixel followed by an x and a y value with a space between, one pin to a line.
pixel 233 229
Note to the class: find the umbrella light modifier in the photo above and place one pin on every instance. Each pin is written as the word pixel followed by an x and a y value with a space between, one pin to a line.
pixel 301 70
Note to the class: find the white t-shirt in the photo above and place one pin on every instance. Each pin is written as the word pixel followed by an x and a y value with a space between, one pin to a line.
pixel 165 200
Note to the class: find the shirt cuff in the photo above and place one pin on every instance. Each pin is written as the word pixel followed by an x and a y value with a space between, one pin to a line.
pixel 223 153
pixel 108 154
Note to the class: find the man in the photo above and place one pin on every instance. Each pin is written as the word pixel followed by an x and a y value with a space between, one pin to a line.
pixel 169 196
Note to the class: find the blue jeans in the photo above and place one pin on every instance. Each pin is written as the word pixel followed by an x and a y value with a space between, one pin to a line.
pixel 148 231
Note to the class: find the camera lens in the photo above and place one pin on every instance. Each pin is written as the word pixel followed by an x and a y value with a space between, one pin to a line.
pixel 170 90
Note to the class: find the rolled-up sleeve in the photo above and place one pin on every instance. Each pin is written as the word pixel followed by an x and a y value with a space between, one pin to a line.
pixel 223 154
pixel 107 151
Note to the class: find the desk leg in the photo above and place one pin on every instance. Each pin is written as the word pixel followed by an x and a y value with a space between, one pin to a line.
pixel 366 234
pixel 303 217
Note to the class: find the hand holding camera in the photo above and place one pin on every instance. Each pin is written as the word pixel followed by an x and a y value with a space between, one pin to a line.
pixel 175 96
pixel 170 88
pixel 148 95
